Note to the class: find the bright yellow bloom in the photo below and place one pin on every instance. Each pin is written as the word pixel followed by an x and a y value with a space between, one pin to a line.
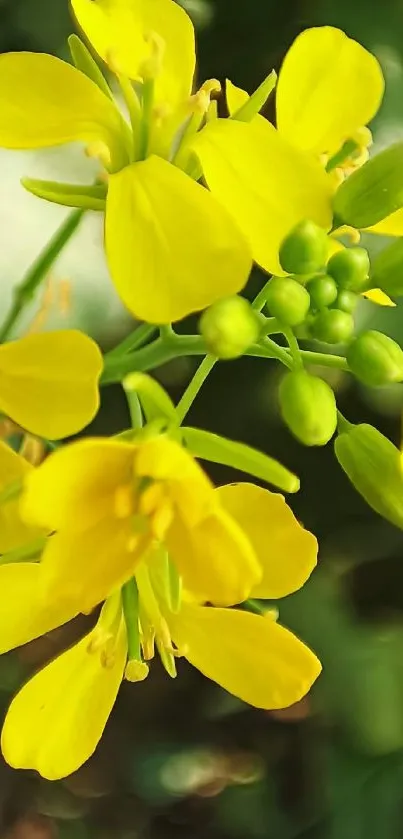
pixel 13 532
pixel 54 723
pixel 49 382
pixel 172 248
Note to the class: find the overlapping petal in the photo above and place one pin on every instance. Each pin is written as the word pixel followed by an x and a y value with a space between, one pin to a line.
pixel 249 655
pixel 390 226
pixel 56 720
pixel 215 559
pixel 286 551
pixel 47 102
pixel 172 248
pixel 328 87
pixel 24 614
pixel 120 32
pixel 49 382
pixel 264 182
pixel 13 531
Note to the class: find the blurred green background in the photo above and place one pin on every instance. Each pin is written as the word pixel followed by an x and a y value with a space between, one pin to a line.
pixel 183 760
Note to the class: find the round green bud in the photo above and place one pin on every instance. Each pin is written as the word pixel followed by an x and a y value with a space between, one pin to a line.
pixel 308 407
pixel 229 327
pixel 333 326
pixel 304 250
pixel 350 268
pixel 375 359
pixel 287 300
pixel 322 290
pixel 346 300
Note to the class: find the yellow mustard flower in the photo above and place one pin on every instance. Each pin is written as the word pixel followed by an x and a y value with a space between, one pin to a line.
pixel 172 248
pixel 56 720
pixel 49 382
pixel 111 501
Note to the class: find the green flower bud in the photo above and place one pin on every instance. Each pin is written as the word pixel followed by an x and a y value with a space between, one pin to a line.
pixel 350 268
pixel 308 407
pixel 346 300
pixel 304 250
pixel 373 191
pixel 333 326
pixel 287 300
pixel 375 359
pixel 387 269
pixel 229 327
pixel 322 290
pixel 373 465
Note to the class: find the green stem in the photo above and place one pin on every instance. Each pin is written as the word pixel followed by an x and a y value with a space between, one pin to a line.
pixel 145 123
pixel 267 348
pixel 295 351
pixel 153 355
pixel 260 299
pixel 132 342
pixel 194 386
pixel 28 552
pixel 130 602
pixel 24 292
pixel 325 360
pixel 255 606
pixel 133 107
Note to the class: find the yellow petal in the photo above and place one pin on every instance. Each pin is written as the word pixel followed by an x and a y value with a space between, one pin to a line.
pixel 286 551
pixel 75 486
pixel 80 569
pixel 265 183
pixel 172 248
pixel 215 559
pixel 248 655
pixel 47 102
pixel 49 382
pixel 390 226
pixel 379 297
pixel 55 722
pixel 119 31
pixel 186 484
pixel 24 615
pixel 236 96
pixel 13 531
pixel 328 87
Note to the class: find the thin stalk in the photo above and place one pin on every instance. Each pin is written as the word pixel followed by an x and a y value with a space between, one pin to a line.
pixel 194 386
pixel 132 342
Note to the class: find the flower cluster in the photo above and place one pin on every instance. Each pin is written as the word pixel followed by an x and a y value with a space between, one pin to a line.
pixel 130 530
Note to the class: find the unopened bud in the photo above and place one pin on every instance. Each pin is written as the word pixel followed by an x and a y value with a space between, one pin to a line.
pixel 287 300
pixel 373 465
pixel 322 291
pixel 333 326
pixel 304 250
pixel 375 359
pixel 308 407
pixel 229 327
pixel 350 268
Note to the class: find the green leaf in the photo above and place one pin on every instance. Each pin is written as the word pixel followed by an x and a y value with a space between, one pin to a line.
pixel 87 197
pixel 217 449
pixel 387 269
pixel 154 400
pixel 372 192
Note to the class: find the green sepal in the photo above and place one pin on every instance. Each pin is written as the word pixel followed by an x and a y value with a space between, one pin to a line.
pixel 216 449
pixel 256 101
pixel 372 192
pixel 154 400
pixel 84 197
pixel 387 269
pixel 83 61
pixel 374 466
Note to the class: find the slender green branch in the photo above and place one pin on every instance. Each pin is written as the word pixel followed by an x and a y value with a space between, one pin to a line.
pixel 267 348
pixel 325 360
pixel 260 299
pixel 24 292
pixel 132 342
pixel 295 351
pixel 194 386
pixel 152 356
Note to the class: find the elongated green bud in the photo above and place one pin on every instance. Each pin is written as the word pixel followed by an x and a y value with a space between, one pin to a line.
pixel 308 407
pixel 375 359
pixel 387 269
pixel 229 327
pixel 374 466
pixel 372 192
pixel 304 250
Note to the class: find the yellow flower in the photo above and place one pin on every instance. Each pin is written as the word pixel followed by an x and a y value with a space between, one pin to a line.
pixel 171 246
pixel 54 723
pixel 49 382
